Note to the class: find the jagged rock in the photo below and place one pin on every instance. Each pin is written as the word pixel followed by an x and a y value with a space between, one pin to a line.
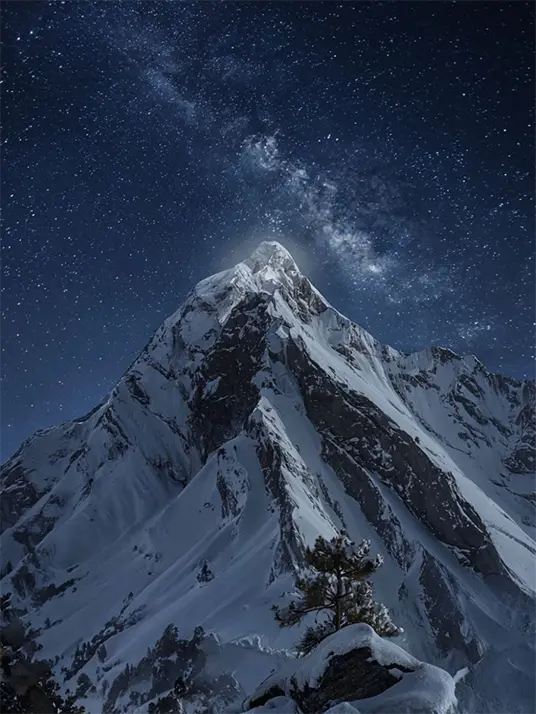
pixel 171 677
pixel 446 614
pixel 522 457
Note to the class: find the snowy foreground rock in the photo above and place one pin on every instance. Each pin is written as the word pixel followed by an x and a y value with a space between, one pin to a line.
pixel 256 419
pixel 354 669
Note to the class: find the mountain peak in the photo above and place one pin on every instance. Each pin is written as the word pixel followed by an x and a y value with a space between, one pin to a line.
pixel 256 419
pixel 269 267
pixel 273 254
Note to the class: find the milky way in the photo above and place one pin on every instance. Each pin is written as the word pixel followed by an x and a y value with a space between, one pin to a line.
pixel 146 145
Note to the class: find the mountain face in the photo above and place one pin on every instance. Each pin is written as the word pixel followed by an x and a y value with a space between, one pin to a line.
pixel 257 418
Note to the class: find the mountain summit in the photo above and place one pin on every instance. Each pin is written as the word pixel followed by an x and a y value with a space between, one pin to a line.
pixel 271 253
pixel 256 419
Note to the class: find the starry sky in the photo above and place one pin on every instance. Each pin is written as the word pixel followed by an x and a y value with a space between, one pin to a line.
pixel 146 145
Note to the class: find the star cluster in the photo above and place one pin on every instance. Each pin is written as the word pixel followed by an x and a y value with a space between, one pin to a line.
pixel 148 144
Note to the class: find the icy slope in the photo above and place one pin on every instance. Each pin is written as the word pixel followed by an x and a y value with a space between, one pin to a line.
pixel 257 418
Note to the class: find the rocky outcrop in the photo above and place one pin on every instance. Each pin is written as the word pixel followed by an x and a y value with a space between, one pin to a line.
pixel 352 665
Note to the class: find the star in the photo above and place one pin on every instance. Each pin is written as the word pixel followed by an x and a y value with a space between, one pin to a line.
pixel 390 143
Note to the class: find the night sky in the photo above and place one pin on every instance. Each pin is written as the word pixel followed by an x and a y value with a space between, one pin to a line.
pixel 147 145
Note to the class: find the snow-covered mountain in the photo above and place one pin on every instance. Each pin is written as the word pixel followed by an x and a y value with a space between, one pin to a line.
pixel 257 418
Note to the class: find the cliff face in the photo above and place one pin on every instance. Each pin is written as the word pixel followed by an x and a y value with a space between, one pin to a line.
pixel 257 418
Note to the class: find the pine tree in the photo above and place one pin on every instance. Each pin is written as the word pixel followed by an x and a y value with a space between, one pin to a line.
pixel 27 684
pixel 205 574
pixel 336 586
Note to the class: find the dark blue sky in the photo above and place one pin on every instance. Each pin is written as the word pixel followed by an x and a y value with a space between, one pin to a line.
pixel 146 145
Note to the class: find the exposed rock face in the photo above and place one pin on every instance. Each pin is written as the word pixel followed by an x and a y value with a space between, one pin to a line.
pixel 445 610
pixel 354 429
pixel 521 459
pixel 353 675
pixel 18 493
pixel 350 676
pixel 173 668
pixel 219 413
pixel 256 418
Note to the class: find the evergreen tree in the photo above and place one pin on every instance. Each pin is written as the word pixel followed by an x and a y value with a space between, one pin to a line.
pixel 205 574
pixel 26 684
pixel 338 587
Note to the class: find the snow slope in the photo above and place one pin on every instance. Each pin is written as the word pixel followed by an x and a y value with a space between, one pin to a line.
pixel 256 418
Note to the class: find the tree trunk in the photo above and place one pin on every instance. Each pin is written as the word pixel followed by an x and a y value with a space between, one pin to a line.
pixel 338 599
